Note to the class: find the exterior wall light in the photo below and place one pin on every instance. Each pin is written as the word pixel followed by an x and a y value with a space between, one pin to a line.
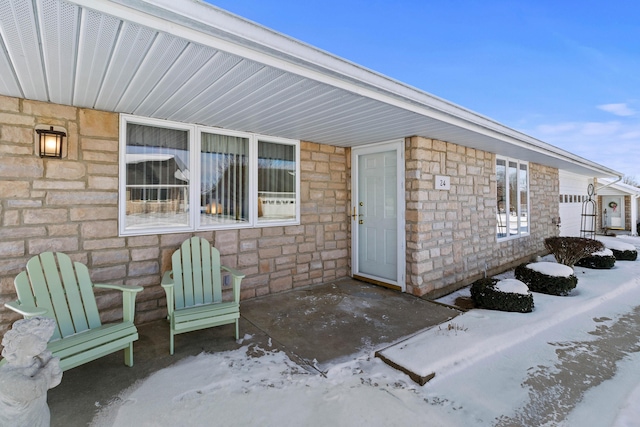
pixel 50 142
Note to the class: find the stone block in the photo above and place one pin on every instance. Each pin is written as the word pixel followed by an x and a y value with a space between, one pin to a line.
pixel 17 119
pixel 93 213
pixel 65 170
pixel 8 103
pixel 145 254
pixel 103 183
pixel 45 216
pixel 99 229
pixel 91 245
pixel 12 249
pixel 21 167
pixel 98 123
pixel 14 189
pixel 17 135
pixel 47 109
pixel 109 274
pixel 54 244
pixel 108 257
pixel 82 198
pixel 138 241
pixel 63 230
pixel 143 268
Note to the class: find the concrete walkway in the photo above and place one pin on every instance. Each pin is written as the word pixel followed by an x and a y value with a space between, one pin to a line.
pixel 316 326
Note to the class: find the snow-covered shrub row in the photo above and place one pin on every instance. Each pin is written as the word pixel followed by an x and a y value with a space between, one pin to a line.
pixel 625 255
pixel 569 250
pixel 602 260
pixel 621 250
pixel 503 295
pixel 547 277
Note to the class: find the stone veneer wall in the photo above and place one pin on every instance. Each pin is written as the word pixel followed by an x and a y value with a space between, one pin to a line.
pixel 70 205
pixel 451 235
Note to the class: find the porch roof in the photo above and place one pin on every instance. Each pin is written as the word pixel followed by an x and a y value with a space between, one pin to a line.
pixel 188 61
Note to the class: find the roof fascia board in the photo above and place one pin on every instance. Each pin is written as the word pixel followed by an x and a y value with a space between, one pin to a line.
pixel 258 43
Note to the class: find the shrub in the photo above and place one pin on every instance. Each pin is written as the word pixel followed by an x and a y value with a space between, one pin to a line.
pixel 485 294
pixel 545 283
pixel 599 260
pixel 625 255
pixel 568 250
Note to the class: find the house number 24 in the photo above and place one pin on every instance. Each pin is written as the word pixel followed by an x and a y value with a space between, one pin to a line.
pixel 443 182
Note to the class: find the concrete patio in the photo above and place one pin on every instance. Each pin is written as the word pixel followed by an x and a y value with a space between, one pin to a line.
pixel 316 326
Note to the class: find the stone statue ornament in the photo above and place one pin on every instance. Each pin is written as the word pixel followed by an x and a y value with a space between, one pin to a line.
pixel 28 373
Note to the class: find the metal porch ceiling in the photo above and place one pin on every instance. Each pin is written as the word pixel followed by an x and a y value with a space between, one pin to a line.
pixel 190 62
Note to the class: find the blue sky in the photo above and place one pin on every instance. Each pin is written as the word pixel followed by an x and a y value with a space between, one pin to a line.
pixel 566 72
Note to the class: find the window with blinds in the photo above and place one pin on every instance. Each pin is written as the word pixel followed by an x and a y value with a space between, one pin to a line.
pixel 512 210
pixel 185 178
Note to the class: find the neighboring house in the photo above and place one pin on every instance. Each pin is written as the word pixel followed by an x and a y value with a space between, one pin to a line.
pixel 612 208
pixel 617 207
pixel 299 166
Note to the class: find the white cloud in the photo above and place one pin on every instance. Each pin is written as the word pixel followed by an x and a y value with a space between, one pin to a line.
pixel 617 109
pixel 612 144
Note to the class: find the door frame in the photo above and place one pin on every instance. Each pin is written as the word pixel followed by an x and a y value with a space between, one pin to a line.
pixel 397 146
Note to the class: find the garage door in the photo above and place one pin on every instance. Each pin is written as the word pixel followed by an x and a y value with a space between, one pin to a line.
pixel 573 191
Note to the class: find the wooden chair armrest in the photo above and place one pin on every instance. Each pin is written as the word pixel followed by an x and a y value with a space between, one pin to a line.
pixel 25 310
pixel 233 271
pixel 123 288
pixel 128 299
pixel 168 285
pixel 167 279
pixel 237 278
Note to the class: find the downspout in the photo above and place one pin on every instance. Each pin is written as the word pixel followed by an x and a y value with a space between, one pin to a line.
pixel 634 213
pixel 607 185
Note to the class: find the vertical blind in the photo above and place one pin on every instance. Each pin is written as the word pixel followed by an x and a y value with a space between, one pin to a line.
pixel 224 178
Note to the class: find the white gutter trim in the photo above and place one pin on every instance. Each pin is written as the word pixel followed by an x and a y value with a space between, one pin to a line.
pixel 610 184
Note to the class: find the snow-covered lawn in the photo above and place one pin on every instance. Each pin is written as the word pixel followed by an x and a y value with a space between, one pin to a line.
pixel 574 360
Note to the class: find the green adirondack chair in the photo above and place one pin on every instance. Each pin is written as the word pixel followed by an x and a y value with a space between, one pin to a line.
pixel 54 286
pixel 194 290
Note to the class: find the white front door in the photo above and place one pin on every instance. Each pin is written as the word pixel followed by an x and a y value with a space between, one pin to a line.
pixel 377 214
pixel 613 212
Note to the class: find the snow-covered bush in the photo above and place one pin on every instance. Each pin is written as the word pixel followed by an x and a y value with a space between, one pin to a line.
pixel 547 277
pixel 568 250
pixel 504 295
pixel 603 259
pixel 621 251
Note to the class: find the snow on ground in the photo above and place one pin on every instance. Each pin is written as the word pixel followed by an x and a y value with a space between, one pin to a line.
pixel 574 360
pixel 616 243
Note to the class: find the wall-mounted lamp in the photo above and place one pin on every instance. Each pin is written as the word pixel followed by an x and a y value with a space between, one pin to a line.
pixel 50 142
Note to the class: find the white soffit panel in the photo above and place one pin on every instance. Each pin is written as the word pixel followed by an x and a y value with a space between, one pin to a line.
pixel 190 60
pixel 19 31
pixel 59 28
pixel 164 51
pixel 8 83
pixel 132 45
pixel 255 102
pixel 98 33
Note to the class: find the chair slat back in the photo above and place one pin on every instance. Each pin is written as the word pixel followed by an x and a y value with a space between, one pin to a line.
pixel 196 273
pixel 62 287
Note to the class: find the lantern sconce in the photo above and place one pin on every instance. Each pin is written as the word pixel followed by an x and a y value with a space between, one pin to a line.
pixel 50 141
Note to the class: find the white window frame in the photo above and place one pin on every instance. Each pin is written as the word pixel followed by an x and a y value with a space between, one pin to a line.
pixel 195 132
pixel 520 233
